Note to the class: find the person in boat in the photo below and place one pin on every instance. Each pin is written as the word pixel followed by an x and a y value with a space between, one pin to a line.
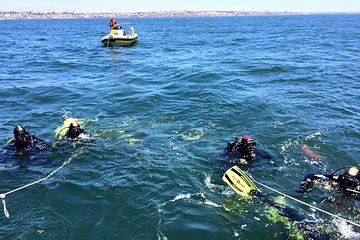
pixel 244 150
pixel 348 181
pixel 113 24
pixel 23 142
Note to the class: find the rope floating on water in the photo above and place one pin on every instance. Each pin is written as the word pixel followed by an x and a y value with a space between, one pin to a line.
pixel 6 213
pixel 309 205
pixel 3 195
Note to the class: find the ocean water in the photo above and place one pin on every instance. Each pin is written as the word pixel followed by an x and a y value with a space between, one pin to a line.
pixel 160 114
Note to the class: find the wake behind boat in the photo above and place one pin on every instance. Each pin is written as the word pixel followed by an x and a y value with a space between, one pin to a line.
pixel 121 35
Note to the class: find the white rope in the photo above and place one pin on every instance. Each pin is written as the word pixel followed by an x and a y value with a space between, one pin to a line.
pixel 3 195
pixel 6 213
pixel 352 190
pixel 309 205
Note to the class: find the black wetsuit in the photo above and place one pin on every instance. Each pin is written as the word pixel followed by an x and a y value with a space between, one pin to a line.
pixel 34 144
pixel 342 181
pixel 236 151
pixel 79 136
pixel 302 223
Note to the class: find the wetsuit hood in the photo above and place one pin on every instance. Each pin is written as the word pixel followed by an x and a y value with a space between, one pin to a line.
pixel 74 130
pixel 22 136
pixel 350 179
pixel 248 146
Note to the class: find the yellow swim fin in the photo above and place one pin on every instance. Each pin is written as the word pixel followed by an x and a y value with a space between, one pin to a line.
pixel 239 182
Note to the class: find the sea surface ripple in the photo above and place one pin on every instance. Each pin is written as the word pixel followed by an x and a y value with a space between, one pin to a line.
pixel 161 112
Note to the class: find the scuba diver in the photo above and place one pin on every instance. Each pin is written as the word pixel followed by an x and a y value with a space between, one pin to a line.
pixel 348 181
pixel 75 132
pixel 244 151
pixel 242 183
pixel 24 142
pixel 70 131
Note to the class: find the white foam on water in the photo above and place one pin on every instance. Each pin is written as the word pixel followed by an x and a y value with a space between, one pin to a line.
pixel 228 192
pixel 211 203
pixel 208 183
pixel 176 198
pixel 181 196
pixel 92 120
pixel 346 229
pixel 130 121
pixel 313 135
pixel 193 135
pixel 224 190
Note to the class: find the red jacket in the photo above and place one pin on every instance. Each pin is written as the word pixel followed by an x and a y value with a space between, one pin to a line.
pixel 112 23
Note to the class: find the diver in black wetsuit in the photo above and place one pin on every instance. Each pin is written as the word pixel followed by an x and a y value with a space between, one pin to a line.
pixel 71 133
pixel 75 132
pixel 244 150
pixel 241 183
pixel 305 226
pixel 348 181
pixel 24 142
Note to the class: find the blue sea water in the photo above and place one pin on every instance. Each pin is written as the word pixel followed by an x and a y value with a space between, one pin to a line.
pixel 161 113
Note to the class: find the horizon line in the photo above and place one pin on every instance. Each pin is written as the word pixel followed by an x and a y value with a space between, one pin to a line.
pixel 154 11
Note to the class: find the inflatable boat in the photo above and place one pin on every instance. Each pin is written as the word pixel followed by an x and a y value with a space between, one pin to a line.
pixel 118 36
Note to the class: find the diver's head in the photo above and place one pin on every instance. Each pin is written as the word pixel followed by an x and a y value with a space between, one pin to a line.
pixel 248 144
pixel 350 179
pixel 74 130
pixel 21 135
pixel 354 172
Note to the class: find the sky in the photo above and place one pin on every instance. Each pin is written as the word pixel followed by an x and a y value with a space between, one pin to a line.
pixel 86 6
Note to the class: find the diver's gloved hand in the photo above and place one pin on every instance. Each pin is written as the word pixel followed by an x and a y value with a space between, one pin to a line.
pixel 304 186
pixel 302 189
pixel 243 161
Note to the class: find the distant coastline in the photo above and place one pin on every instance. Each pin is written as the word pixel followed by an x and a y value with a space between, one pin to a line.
pixel 63 15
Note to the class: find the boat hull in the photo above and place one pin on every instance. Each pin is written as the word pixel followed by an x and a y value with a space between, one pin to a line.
pixel 126 40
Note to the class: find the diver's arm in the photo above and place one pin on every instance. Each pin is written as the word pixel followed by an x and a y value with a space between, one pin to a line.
pixel 230 152
pixel 265 155
pixel 230 147
pixel 38 144
pixel 283 210
pixel 308 179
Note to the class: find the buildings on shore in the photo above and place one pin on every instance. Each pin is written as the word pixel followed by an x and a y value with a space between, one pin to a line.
pixel 62 15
